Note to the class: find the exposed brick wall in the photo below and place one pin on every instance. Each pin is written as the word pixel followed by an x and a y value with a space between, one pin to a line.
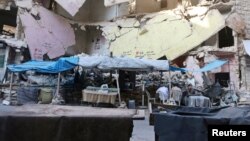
pixel 243 8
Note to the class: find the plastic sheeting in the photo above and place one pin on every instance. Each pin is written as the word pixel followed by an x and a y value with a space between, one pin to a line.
pixel 64 123
pixel 88 62
pixel 210 66
pixel 190 124
pixel 122 63
pixel 27 95
pixel 63 64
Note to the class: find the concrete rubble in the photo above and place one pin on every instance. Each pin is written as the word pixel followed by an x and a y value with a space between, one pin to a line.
pixel 10 41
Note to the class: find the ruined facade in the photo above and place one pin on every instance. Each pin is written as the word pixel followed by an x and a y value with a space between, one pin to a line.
pixel 242 7
pixel 178 29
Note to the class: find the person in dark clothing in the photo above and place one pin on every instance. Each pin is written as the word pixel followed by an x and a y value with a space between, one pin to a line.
pixel 190 91
pixel 79 78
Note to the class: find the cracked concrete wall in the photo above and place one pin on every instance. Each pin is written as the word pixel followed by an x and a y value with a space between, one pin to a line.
pixel 242 7
pixel 81 41
pixel 92 11
pixel 96 43
pixel 245 72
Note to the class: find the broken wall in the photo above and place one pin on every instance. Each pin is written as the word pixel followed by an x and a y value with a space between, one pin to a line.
pixel 212 41
pixel 81 38
pixel 242 7
pixel 98 12
pixel 3 60
pixel 147 6
pixel 232 67
pixel 96 43
pixel 245 72
pixel 92 11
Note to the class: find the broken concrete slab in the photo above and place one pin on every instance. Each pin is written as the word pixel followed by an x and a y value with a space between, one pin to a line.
pixel 202 29
pixel 164 16
pixel 197 11
pixel 71 6
pixel 163 33
pixel 57 31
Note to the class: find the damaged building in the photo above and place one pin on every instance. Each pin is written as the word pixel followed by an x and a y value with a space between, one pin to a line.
pixel 189 33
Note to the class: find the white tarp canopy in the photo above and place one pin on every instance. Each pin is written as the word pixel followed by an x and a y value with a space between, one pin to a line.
pixel 122 63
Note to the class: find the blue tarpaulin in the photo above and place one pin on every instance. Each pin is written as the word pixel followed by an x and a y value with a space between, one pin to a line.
pixel 63 64
pixel 210 66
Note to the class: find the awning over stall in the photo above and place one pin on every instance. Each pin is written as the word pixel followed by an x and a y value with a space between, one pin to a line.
pixel 122 63
pixel 63 64
pixel 89 62
pixel 210 66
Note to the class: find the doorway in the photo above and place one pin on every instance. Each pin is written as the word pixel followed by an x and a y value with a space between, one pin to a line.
pixel 222 78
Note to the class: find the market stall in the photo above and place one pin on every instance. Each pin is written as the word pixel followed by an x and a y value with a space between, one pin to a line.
pixel 199 100
pixel 47 67
pixel 92 62
pixel 122 63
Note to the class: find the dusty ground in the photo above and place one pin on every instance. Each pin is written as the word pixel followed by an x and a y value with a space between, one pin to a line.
pixel 142 130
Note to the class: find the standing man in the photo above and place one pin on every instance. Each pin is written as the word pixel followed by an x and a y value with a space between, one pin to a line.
pixel 190 91
pixel 163 93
